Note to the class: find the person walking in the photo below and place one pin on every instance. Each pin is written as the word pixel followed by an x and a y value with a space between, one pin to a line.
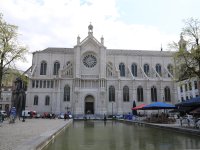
pixel 1 118
pixel 12 115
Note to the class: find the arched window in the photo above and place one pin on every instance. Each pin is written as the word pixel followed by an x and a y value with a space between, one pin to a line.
pixel 111 94
pixel 43 68
pixel 167 94
pixel 158 69
pixel 126 94
pixel 146 69
pixel 134 70
pixel 140 94
pixel 47 100
pixel 122 69
pixel 56 68
pixel 35 100
pixel 66 93
pixel 195 85
pixel 170 69
pixel 153 94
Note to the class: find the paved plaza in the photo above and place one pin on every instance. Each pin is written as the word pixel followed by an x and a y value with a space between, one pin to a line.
pixel 23 135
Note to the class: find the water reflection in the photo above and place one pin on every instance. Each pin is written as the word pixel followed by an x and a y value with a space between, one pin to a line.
pixel 111 135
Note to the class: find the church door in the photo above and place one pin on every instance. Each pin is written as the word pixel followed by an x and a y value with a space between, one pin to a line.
pixel 89 104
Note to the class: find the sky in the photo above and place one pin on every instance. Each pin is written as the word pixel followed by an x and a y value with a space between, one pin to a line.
pixel 124 24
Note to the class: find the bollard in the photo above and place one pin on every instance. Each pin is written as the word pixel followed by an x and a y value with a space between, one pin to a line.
pixel 23 120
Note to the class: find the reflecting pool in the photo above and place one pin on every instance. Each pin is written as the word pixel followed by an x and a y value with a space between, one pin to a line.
pixel 113 135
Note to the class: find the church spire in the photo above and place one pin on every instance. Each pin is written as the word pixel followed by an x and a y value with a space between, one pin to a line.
pixel 90 29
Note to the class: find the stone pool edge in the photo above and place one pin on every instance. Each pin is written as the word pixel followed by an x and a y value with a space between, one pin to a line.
pixel 171 127
pixel 39 142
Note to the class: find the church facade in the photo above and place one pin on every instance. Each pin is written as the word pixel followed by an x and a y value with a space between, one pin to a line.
pixel 91 79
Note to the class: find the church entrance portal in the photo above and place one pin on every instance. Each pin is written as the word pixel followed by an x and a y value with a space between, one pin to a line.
pixel 89 104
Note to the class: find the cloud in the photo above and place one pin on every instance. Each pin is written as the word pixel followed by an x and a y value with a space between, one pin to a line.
pixel 50 23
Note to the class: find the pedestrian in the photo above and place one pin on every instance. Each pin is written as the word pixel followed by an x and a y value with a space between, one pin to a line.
pixel 1 118
pixel 104 118
pixel 65 116
pixel 12 115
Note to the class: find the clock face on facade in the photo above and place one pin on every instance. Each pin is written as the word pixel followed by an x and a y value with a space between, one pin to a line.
pixel 89 61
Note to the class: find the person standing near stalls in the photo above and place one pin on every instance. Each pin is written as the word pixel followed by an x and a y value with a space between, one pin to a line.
pixel 12 115
pixel 1 118
pixel 65 116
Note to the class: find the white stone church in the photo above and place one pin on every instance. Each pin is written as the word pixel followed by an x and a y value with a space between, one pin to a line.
pixel 91 79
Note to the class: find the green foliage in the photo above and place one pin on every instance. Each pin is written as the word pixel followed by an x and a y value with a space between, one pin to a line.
pixel 10 49
pixel 187 58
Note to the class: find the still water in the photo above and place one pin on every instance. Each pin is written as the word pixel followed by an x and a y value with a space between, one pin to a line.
pixel 112 135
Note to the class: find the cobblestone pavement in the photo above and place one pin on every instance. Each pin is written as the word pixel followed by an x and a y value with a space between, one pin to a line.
pixel 12 135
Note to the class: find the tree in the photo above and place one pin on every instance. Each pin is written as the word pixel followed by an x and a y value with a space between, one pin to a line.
pixel 10 50
pixel 188 56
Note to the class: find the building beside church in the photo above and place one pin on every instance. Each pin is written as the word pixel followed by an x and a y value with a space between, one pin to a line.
pixel 91 79
pixel 187 89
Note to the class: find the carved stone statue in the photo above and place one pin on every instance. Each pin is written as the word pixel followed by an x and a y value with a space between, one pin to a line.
pixel 182 43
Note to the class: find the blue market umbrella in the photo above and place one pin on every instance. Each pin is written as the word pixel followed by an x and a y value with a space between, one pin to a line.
pixel 190 103
pixel 159 105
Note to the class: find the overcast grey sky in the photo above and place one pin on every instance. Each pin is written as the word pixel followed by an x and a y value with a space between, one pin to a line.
pixel 126 24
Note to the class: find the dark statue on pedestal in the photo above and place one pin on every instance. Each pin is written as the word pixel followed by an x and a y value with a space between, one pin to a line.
pixel 19 96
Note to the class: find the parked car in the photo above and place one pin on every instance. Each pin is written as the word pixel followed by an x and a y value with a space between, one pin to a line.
pixel 61 116
pixel 38 116
pixel 26 113
pixel 4 113
pixel 29 114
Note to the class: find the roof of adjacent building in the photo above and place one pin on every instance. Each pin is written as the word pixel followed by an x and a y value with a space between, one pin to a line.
pixel 111 52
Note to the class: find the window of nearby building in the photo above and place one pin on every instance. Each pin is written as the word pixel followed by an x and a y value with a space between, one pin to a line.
pixel 182 99
pixel 33 83
pixel 146 69
pixel 158 69
pixel 37 83
pixel 140 94
pixel 47 100
pixel 187 98
pixel 56 68
pixel 134 69
pixel 66 93
pixel 48 83
pixel 197 95
pixel 44 84
pixel 167 94
pixel 153 94
pixel 51 84
pixel 126 94
pixel 181 88
pixel 43 68
pixel 35 102
pixel 122 69
pixel 111 94
pixel 190 86
pixel 170 69
pixel 40 83
pixel 186 87
pixel 195 85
